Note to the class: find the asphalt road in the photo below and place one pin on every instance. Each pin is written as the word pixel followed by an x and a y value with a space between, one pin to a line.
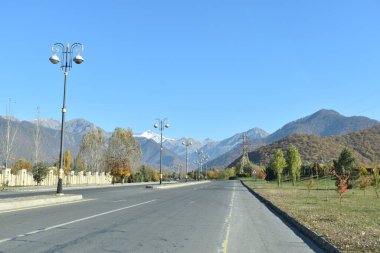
pixel 213 217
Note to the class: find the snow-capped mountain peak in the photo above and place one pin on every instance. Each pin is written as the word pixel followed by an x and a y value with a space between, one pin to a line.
pixel 153 136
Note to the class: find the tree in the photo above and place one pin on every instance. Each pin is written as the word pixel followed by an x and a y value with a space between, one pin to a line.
pixel 8 134
pixel 294 163
pixel 39 170
pixel 78 164
pixel 123 150
pixel 21 164
pixel 92 150
pixel 345 166
pixel 346 162
pixel 342 184
pixel 67 167
pixel 376 178
pixel 364 182
pixel 121 171
pixel 37 137
pixel 277 164
pixel 310 184
pixel 246 167
pixel 262 175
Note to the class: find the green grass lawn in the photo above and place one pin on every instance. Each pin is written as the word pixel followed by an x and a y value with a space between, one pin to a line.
pixel 352 225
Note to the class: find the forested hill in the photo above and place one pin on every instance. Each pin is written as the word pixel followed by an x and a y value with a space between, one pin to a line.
pixel 365 145
pixel 323 123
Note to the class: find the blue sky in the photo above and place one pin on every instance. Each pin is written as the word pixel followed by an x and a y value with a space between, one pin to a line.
pixel 212 67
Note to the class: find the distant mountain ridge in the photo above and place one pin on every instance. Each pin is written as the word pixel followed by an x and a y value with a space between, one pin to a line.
pixel 321 123
pixel 221 153
pixel 212 148
pixel 365 145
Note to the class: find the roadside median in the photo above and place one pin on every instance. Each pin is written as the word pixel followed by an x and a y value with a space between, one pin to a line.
pixel 14 204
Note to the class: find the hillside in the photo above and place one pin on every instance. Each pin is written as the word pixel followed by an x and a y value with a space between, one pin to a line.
pixel 365 145
pixel 50 139
pixel 151 154
pixel 74 132
pixel 322 123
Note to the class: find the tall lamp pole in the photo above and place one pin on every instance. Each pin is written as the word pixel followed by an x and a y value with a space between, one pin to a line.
pixel 66 65
pixel 202 158
pixel 199 162
pixel 161 124
pixel 187 143
pixel 205 160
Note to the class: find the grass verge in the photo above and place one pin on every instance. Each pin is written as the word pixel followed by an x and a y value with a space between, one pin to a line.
pixel 352 225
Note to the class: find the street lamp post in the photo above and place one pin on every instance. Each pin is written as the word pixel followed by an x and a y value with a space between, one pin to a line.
pixel 187 143
pixel 66 65
pixel 205 159
pixel 161 124
pixel 202 158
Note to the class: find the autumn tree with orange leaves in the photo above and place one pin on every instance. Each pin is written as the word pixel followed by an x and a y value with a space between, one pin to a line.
pixel 123 154
pixel 342 184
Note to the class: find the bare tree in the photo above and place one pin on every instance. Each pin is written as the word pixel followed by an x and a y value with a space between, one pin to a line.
pixel 92 150
pixel 8 134
pixel 37 137
pixel 123 149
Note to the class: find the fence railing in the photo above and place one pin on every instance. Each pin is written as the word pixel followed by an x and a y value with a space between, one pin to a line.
pixel 24 178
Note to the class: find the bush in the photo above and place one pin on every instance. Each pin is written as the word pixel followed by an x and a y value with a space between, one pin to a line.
pixel 39 172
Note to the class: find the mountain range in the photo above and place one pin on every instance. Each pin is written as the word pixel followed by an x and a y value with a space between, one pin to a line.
pixel 220 153
pixel 365 146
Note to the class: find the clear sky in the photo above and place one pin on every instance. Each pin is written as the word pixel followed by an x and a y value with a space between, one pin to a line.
pixel 212 67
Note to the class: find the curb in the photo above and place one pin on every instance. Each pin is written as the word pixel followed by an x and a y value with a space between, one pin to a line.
pixel 14 204
pixel 170 186
pixel 321 242
pixel 71 187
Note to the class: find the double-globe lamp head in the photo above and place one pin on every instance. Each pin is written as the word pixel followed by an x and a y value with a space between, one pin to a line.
pixel 166 125
pixel 187 143
pixel 78 59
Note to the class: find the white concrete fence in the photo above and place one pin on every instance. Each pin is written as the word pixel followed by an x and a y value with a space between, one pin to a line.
pixel 24 178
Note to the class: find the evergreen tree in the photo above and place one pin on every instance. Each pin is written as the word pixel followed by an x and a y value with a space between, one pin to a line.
pixel 346 162
pixel 39 171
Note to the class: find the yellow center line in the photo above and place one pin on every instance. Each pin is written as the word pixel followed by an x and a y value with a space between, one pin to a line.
pixel 228 222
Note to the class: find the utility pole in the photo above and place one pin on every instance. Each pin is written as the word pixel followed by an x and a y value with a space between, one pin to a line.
pixel 245 158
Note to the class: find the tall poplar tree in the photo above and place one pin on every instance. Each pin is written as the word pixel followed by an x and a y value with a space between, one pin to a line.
pixel 67 166
pixel 294 163
pixel 123 150
pixel 92 150
pixel 278 163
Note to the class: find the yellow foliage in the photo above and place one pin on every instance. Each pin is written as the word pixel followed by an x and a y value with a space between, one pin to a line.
pixel 21 164
pixel 363 170
pixel 67 167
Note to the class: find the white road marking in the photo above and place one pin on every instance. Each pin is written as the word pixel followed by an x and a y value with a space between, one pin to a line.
pixel 74 221
pixel 121 200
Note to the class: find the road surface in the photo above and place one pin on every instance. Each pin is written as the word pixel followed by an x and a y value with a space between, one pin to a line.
pixel 219 216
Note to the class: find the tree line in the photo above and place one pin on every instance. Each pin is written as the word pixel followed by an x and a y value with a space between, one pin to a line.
pixel 120 156
pixel 345 170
